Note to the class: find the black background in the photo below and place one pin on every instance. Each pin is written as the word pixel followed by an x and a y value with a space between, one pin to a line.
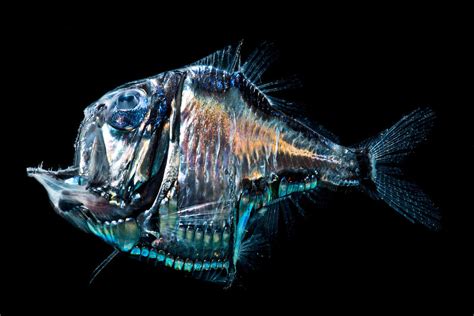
pixel 360 76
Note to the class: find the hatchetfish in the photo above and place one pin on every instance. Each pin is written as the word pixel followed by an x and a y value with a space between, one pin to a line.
pixel 189 168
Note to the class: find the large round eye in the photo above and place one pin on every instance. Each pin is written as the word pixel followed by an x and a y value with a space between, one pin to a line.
pixel 128 100
pixel 128 110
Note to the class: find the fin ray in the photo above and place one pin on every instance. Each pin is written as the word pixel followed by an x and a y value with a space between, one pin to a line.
pixel 259 61
pixel 385 152
pixel 227 59
pixel 103 265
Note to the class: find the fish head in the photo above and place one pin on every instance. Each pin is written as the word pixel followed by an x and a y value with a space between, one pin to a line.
pixel 120 153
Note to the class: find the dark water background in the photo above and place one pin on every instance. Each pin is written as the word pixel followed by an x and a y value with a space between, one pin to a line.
pixel 359 78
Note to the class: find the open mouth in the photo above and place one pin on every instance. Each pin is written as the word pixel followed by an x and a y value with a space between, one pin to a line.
pixel 69 191
pixel 87 210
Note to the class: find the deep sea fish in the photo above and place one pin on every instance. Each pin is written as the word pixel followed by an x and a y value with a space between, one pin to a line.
pixel 192 169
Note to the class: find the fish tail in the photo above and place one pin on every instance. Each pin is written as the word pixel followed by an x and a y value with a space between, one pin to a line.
pixel 380 168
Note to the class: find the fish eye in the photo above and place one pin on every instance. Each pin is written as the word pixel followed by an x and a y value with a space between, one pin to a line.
pixel 128 100
pixel 128 110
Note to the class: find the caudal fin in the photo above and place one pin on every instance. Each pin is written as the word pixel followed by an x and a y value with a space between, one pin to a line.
pixel 384 177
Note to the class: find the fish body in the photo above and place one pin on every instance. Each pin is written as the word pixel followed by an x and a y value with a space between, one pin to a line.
pixel 189 168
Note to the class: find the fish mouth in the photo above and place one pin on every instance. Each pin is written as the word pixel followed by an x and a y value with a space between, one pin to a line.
pixel 89 211
pixel 69 191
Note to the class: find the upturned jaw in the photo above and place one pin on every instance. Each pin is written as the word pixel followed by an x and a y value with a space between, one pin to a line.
pixel 86 210
pixel 121 154
pixel 68 191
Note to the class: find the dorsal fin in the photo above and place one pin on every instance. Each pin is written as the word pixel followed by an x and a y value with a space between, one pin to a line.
pixel 280 85
pixel 259 61
pixel 227 59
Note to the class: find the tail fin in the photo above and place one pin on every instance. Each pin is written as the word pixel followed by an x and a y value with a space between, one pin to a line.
pixel 384 177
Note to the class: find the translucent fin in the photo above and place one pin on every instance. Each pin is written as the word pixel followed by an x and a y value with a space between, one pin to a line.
pixel 399 141
pixel 275 221
pixel 235 63
pixel 258 62
pixel 297 203
pixel 281 85
pixel 102 265
pixel 254 249
pixel 407 199
pixel 385 152
pixel 269 218
pixel 227 59
pixel 282 105
pixel 261 231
